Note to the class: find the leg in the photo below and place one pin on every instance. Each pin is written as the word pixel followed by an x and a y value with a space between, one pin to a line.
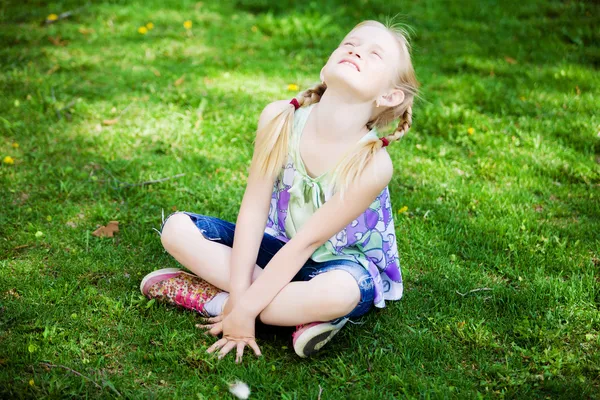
pixel 207 259
pixel 327 296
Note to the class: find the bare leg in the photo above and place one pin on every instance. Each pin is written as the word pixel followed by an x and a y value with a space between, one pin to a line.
pixel 205 258
pixel 325 297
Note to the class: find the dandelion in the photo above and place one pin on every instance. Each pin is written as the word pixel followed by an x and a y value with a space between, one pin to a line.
pixel 403 210
pixel 15 145
pixel 49 218
pixel 142 30
pixel 239 389
pixel 187 24
pixel 471 131
pixel 52 17
pixel 293 87
pixel 31 382
pixel 8 160
pixel 150 26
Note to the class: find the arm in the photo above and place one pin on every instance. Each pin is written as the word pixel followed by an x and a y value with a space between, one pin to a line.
pixel 252 218
pixel 331 218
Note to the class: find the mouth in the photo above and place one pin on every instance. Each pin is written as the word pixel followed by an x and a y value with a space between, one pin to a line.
pixel 350 63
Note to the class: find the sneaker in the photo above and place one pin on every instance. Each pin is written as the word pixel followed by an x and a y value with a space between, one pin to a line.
pixel 177 287
pixel 309 338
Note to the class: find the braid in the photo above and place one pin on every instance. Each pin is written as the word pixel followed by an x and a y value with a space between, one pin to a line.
pixel 403 125
pixel 312 95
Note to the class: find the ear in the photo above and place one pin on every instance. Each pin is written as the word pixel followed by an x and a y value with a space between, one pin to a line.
pixel 392 99
pixel 321 75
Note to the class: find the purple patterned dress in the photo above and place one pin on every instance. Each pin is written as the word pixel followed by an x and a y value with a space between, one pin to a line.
pixel 369 240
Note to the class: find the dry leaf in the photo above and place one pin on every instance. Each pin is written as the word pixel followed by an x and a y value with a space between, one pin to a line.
pixel 56 41
pixel 85 31
pixel 155 71
pixel 53 69
pixel 180 80
pixel 510 60
pixel 108 230
pixel 110 121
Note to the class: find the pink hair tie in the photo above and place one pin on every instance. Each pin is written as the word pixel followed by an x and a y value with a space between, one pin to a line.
pixel 295 103
pixel 385 141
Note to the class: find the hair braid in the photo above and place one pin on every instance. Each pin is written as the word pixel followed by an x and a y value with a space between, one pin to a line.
pixel 403 125
pixel 312 95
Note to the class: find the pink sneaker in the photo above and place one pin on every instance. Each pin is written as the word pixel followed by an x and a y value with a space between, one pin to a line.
pixel 174 286
pixel 309 338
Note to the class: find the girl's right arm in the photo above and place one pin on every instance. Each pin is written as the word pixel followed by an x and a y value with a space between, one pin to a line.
pixel 252 219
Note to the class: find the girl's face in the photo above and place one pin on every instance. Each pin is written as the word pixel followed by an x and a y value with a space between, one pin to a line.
pixel 364 65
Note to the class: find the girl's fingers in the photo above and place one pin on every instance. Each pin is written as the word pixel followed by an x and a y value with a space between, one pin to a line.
pixel 213 320
pixel 217 345
pixel 254 346
pixel 227 348
pixel 216 329
pixel 240 352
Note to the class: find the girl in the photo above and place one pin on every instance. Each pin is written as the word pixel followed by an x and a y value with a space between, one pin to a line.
pixel 314 242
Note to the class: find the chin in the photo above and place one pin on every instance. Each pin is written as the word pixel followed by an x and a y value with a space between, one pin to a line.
pixel 348 85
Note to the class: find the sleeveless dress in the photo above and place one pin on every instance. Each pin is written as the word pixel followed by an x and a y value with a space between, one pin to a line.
pixel 369 240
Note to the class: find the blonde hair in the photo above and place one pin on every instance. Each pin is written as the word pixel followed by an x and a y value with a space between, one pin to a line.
pixel 272 139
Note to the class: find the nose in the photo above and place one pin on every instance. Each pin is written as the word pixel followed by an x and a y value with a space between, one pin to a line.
pixel 354 52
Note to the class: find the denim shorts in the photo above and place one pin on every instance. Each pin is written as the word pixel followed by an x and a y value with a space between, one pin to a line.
pixel 221 231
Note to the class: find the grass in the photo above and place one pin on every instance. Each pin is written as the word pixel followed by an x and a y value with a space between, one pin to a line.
pixel 513 207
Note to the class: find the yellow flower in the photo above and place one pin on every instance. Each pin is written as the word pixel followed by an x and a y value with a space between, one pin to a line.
pixel 8 160
pixel 143 30
pixel 293 87
pixel 187 24
pixel 150 26
pixel 52 17
pixel 31 382
pixel 471 131
pixel 403 210
pixel 15 145
pixel 254 29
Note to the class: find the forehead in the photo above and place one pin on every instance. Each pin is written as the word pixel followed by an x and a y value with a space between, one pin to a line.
pixel 375 35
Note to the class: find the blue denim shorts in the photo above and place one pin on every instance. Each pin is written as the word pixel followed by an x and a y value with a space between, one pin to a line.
pixel 221 231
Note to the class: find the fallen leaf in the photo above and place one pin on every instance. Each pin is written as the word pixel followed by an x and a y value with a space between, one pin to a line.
pixel 85 31
pixel 110 121
pixel 510 60
pixel 108 230
pixel 155 72
pixel 71 224
pixel 180 80
pixel 53 69
pixel 55 40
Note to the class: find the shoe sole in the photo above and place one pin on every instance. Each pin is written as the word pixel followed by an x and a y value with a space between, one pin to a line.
pixel 156 273
pixel 314 338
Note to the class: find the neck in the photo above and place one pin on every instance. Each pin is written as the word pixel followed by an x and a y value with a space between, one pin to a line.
pixel 338 118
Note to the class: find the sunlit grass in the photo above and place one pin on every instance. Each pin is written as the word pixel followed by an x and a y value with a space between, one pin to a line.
pixel 495 188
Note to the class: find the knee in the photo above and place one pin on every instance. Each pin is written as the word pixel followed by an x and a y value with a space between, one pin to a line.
pixel 173 229
pixel 344 295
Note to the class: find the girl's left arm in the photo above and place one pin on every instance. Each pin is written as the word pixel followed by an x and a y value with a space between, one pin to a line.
pixel 329 219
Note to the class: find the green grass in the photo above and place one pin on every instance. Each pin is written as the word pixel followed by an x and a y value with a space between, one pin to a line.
pixel 514 207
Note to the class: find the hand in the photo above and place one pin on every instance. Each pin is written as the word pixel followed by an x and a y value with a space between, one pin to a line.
pixel 238 331
pixel 214 325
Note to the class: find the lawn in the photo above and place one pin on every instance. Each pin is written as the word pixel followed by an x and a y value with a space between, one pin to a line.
pixel 496 187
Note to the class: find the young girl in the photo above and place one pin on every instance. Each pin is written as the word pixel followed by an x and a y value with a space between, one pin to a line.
pixel 314 242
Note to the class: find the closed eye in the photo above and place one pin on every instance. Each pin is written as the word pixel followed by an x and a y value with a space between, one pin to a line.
pixel 377 54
